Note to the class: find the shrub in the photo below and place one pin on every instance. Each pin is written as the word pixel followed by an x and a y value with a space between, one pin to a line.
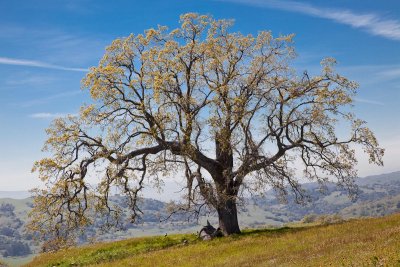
pixel 322 219
pixel 310 218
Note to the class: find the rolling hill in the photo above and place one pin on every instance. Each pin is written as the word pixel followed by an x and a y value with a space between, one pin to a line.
pixel 358 242
pixel 378 196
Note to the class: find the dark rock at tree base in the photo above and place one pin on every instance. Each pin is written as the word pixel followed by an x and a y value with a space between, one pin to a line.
pixel 208 232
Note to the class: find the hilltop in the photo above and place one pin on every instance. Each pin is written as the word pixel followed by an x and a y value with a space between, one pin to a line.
pixel 360 242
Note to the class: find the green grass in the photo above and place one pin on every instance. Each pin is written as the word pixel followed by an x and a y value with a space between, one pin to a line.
pixel 110 251
pixel 363 242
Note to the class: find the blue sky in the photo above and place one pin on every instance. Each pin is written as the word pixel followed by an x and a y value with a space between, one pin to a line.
pixel 46 47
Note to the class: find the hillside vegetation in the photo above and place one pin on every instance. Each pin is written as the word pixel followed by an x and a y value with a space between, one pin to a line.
pixel 361 242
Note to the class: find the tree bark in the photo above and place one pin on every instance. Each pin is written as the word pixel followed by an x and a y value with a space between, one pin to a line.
pixel 227 215
pixel 227 193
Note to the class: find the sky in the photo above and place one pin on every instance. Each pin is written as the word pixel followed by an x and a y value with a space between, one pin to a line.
pixel 47 46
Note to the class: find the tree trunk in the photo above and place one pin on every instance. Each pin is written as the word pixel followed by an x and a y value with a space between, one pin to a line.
pixel 227 215
pixel 227 193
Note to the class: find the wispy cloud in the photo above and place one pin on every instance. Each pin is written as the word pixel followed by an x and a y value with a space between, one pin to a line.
pixel 28 78
pixel 46 44
pixel 38 64
pixel 371 22
pixel 47 115
pixel 47 99
pixel 377 76
pixel 368 101
pixel 393 73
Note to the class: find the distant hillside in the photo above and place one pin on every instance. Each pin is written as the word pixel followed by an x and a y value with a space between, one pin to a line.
pixel 362 242
pixel 14 194
pixel 379 195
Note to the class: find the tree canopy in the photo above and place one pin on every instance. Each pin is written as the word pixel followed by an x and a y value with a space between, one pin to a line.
pixel 225 110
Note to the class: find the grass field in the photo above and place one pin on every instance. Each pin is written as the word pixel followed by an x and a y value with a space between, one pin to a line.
pixel 363 242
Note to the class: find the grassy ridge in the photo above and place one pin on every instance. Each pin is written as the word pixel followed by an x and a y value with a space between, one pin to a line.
pixel 364 242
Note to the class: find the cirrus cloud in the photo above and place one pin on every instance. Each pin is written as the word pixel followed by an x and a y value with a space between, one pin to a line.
pixel 369 22
pixel 38 64
pixel 48 115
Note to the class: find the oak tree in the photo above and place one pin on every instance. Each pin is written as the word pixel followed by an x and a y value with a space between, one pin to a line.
pixel 225 110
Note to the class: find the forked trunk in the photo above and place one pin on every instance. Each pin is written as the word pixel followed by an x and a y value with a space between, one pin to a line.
pixel 227 215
